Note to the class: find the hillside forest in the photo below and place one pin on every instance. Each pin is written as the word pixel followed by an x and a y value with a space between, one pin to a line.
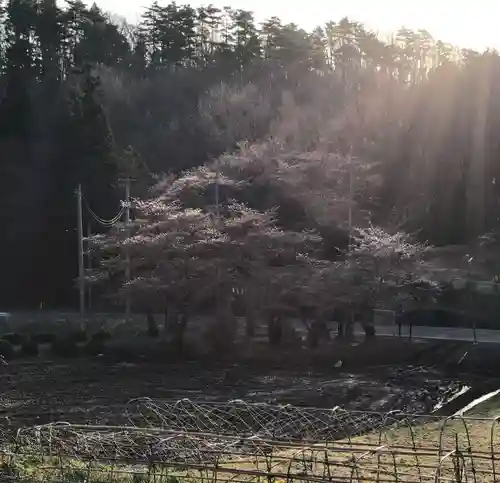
pixel 253 150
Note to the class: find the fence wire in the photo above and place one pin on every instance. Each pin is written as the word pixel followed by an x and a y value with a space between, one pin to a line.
pixel 238 418
pixel 169 442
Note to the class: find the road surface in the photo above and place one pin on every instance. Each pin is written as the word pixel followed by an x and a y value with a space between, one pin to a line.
pixel 442 333
pixel 418 332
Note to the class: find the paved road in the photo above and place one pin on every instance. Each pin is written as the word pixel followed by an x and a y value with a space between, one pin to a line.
pixel 444 333
pixel 425 332
pixel 418 332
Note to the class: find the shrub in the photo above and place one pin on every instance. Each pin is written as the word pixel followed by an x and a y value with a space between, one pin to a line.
pixel 29 348
pixel 102 335
pixel 78 336
pixel 153 331
pixel 7 350
pixel 76 476
pixel 43 338
pixel 65 347
pixel 14 338
pixel 94 347
pixel 124 353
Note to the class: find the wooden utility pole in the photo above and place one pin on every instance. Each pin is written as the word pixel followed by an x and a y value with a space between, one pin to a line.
pixel 81 266
pixel 127 266
pixel 218 225
pixel 89 268
pixel 351 196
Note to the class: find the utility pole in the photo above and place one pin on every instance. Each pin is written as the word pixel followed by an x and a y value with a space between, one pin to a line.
pixel 217 217
pixel 81 266
pixel 217 195
pixel 89 268
pixel 127 266
pixel 351 195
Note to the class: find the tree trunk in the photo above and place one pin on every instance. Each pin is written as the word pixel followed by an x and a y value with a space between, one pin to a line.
pixel 152 326
pixel 366 318
pixel 345 321
pixel 349 327
pixel 313 336
pixel 228 326
pixel 166 319
pixel 250 314
pixel 340 330
pixel 369 331
pixel 180 330
pixel 275 330
pixel 250 324
pixel 224 330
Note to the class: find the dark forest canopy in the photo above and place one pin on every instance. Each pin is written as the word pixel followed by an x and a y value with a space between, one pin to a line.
pixel 82 95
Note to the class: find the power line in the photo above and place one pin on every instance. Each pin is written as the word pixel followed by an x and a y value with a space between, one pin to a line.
pixel 125 209
pixel 102 221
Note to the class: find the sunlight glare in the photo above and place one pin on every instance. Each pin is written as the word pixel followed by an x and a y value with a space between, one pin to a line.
pixel 464 23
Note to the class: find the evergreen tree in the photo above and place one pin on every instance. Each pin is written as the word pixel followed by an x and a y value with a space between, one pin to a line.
pixel 208 27
pixel 100 42
pixel 15 108
pixel 85 156
pixel 170 34
pixel 247 46
pixel 426 111
pixel 51 33
pixel 89 142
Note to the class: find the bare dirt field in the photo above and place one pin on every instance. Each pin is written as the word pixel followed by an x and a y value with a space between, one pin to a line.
pixel 87 391
pixel 374 384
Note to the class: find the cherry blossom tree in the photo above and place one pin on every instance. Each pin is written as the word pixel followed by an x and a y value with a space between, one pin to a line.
pixel 385 270
pixel 380 270
pixel 187 254
pixel 189 259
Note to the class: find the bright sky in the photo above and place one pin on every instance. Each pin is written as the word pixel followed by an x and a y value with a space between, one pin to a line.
pixel 468 23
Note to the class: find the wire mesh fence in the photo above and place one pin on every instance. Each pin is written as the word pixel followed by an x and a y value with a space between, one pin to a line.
pixel 174 441
pixel 277 423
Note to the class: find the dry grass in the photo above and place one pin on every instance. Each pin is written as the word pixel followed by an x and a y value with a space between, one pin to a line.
pixel 456 450
pixel 459 444
pixel 452 450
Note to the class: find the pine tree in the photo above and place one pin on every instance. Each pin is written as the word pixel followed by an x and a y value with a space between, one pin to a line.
pixel 18 170
pixel 51 33
pixel 19 67
pixel 100 42
pixel 138 54
pixel 85 155
pixel 247 43
pixel 90 142
pixel 170 34
pixel 208 28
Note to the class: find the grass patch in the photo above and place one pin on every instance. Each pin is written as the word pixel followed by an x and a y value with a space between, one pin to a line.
pixel 61 470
